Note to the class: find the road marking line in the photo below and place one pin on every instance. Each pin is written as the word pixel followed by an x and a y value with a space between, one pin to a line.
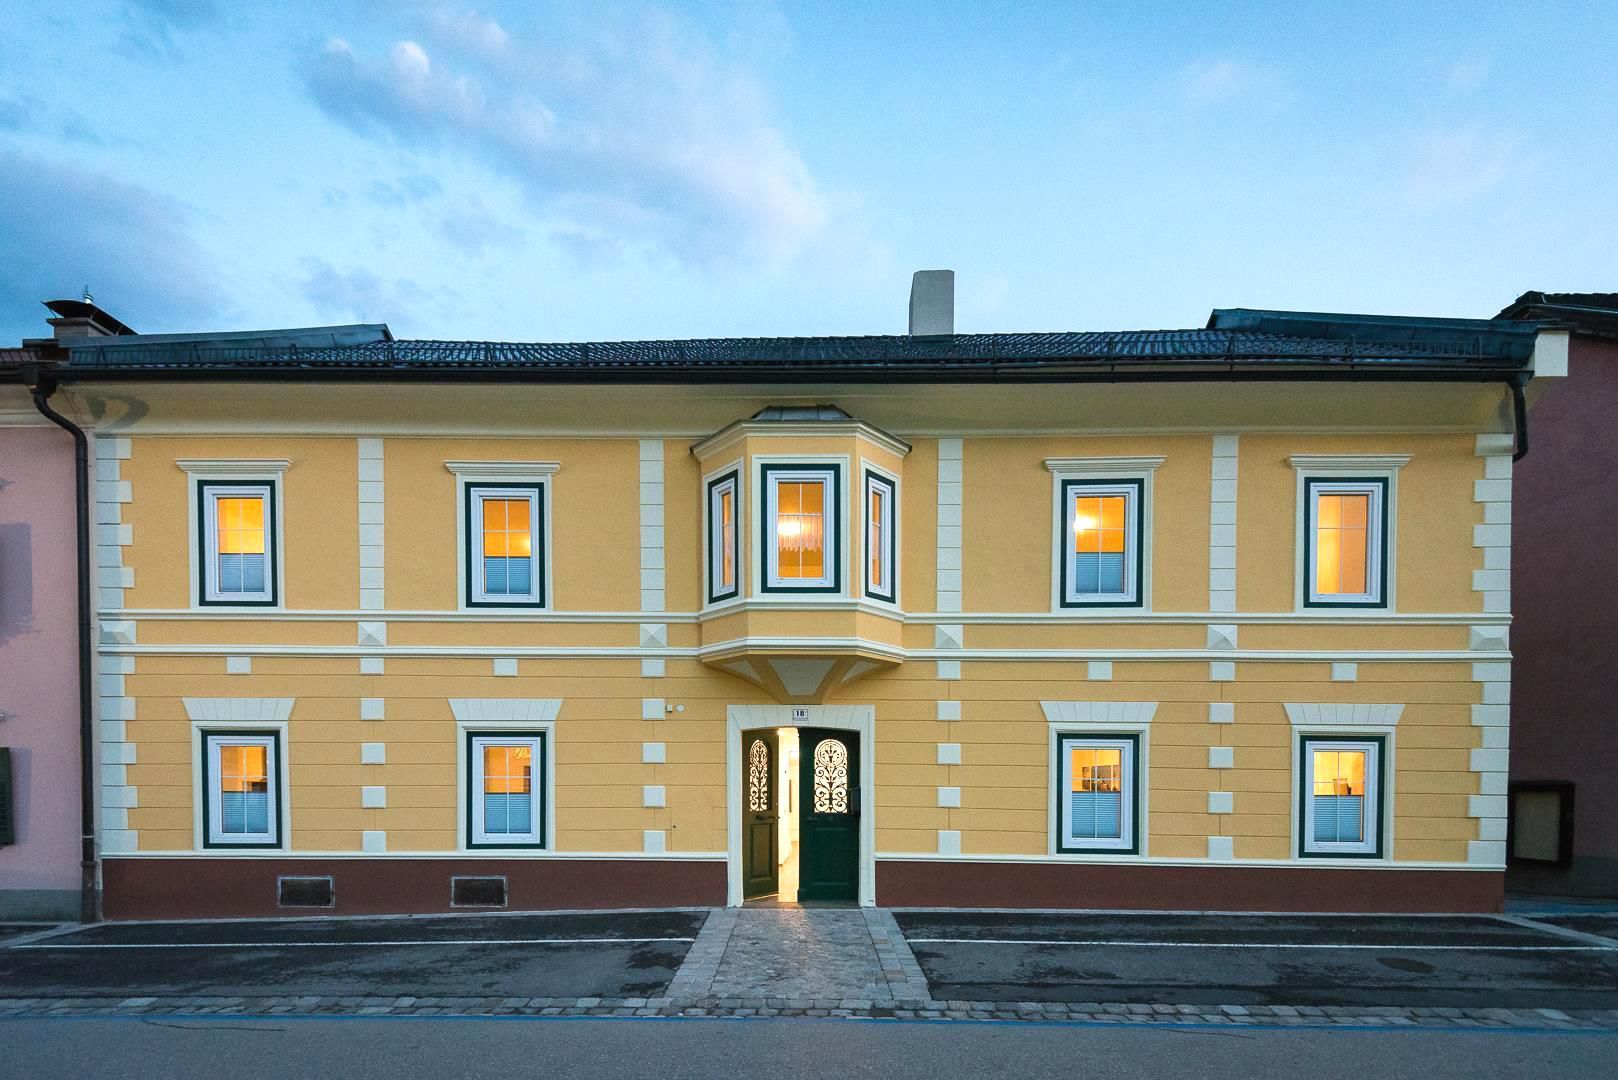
pixel 1558 931
pixel 364 944
pixel 1258 945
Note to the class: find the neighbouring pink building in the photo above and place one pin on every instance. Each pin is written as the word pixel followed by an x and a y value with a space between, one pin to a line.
pixel 39 702
pixel 1564 633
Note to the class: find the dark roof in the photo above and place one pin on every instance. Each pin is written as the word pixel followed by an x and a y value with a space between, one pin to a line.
pixel 1487 352
pixel 787 414
pixel 1595 314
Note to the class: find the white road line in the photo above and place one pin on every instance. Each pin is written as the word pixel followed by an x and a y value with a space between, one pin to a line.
pixel 1258 945
pixel 364 944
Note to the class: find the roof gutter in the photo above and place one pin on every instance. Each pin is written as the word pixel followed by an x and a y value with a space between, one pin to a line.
pixel 41 384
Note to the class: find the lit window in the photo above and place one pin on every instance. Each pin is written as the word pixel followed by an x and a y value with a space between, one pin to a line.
pixel 242 783
pixel 1102 556
pixel 1347 542
pixel 881 541
pixel 801 528
pixel 506 526
pixel 1098 795
pixel 505 797
pixel 724 546
pixel 238 529
pixel 1341 797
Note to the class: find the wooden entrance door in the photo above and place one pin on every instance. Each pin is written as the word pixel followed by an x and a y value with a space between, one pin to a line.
pixel 760 820
pixel 829 815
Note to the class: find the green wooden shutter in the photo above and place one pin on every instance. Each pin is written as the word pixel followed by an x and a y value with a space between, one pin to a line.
pixel 8 832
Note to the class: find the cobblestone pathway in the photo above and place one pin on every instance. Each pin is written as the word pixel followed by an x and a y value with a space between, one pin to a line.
pixel 801 953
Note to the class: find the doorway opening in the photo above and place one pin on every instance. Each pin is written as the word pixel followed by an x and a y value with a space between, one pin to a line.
pixel 800 816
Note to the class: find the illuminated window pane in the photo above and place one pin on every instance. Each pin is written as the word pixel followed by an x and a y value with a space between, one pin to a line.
pixel 244 790
pixel 800 523
pixel 1342 543
pixel 1100 542
pixel 508 546
pixel 508 790
pixel 1095 792
pixel 239 545
pixel 727 539
pixel 1338 790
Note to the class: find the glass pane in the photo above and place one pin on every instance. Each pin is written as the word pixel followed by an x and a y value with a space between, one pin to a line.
pixel 244 789
pixel 831 777
pixel 1342 538
pixel 508 547
pixel 800 529
pixel 240 525
pixel 1328 562
pixel 508 792
pixel 1100 543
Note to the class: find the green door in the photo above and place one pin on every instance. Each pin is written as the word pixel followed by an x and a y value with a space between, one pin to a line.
pixel 829 815
pixel 759 818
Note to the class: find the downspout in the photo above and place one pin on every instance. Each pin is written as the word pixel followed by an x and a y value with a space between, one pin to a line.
pixel 41 385
pixel 1519 414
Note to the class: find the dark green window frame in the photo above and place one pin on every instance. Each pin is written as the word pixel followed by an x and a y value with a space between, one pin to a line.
pixel 474 543
pixel 834 543
pixel 1310 483
pixel 715 592
pixel 1306 785
pixel 890 536
pixel 1064 845
pixel 1064 542
pixel 541 789
pixel 205 736
pixel 272 553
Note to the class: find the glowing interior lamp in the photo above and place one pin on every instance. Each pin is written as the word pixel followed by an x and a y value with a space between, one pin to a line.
pixel 1084 523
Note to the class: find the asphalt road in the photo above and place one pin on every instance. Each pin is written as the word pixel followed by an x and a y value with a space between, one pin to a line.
pixel 453 1049
pixel 1453 961
pixel 609 955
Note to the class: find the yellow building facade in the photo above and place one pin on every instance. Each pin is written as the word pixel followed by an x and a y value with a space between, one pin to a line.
pixel 1178 640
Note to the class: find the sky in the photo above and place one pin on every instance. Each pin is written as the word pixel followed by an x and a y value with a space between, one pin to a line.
pixel 599 170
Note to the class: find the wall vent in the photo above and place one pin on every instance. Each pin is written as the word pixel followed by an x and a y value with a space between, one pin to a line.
pixel 485 892
pixel 306 892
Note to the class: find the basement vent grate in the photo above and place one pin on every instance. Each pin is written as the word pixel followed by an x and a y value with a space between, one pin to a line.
pixel 306 892
pixel 477 892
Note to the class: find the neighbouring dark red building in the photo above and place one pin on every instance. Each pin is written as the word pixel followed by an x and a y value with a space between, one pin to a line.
pixel 1563 824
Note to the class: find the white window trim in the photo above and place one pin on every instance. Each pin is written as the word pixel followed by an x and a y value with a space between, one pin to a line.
pixel 1101 471
pixel 226 715
pixel 796 591
pixel 1066 841
pixel 539 747
pixel 1331 468
pixel 471 474
pixel 891 534
pixel 246 473
pixel 1376 799
pixel 1097 720
pixel 733 475
pixel 518 716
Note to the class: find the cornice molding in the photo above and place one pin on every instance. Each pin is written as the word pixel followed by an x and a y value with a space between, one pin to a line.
pixel 1105 466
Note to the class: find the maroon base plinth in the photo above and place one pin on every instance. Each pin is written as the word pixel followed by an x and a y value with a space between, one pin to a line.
pixel 929 883
pixel 236 888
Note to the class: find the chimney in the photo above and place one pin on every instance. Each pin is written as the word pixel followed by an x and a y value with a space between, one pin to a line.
pixel 82 318
pixel 932 303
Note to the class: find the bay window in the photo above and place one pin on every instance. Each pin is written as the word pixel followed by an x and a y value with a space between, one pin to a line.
pixel 881 540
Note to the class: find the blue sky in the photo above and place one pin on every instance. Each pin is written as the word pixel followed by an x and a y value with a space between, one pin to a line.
pixel 550 171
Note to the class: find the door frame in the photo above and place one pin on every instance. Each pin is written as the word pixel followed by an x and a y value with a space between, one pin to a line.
pixel 859 719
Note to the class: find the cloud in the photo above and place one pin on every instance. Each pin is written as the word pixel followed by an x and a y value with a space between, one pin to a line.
pixel 27 114
pixel 154 27
pixel 67 228
pixel 405 191
pixel 1206 82
pixel 359 295
pixel 638 128
pixel 474 230
pixel 1446 168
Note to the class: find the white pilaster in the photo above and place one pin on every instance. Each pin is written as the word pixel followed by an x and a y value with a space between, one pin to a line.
pixel 950 477
pixel 652 568
pixel 372 526
pixel 1222 525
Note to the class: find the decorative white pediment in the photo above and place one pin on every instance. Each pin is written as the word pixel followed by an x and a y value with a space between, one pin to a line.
pixel 472 711
pixel 233 468
pixel 1105 466
pixel 1343 716
pixel 238 710
pixel 1315 463
pixel 1099 712
pixel 504 470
